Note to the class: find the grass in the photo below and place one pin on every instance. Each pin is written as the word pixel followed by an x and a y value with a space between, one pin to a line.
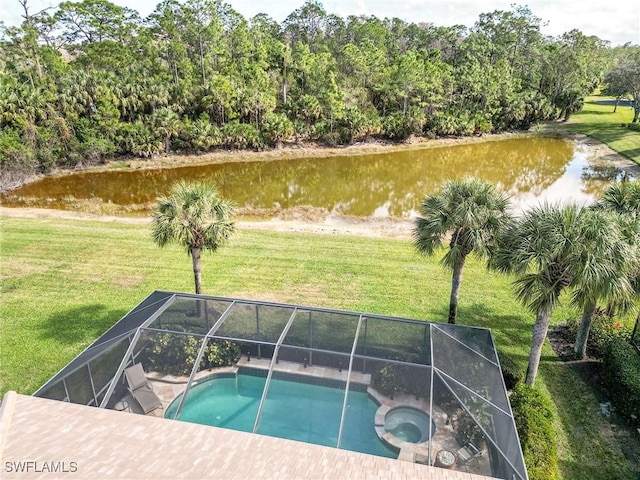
pixel 64 282
pixel 597 120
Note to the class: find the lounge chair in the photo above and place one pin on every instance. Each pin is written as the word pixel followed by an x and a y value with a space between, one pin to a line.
pixel 468 454
pixel 141 389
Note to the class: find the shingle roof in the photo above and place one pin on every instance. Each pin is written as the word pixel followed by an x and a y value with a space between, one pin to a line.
pixel 100 443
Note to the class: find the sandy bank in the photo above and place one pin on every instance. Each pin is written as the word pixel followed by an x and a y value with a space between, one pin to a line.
pixel 331 225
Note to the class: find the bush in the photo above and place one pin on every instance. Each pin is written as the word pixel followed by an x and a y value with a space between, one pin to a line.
pixel 511 371
pixel 480 124
pixel 396 378
pixel 397 126
pixel 199 135
pixel 276 128
pixel 533 415
pixel 17 158
pixel 175 354
pixel 621 364
pixel 240 135
pixel 466 429
pixel 452 123
pixel 603 329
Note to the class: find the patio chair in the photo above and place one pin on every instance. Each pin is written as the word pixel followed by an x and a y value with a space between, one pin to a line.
pixel 141 389
pixel 468 454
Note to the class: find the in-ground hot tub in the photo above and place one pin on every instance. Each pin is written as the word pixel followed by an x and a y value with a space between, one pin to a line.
pixel 409 424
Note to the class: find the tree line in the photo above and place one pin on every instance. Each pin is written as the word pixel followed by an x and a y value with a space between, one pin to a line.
pixel 92 80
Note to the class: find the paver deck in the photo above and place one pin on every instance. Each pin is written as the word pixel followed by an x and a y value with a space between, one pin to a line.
pixel 168 387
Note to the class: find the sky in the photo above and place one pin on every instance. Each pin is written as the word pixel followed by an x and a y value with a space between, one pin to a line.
pixel 617 21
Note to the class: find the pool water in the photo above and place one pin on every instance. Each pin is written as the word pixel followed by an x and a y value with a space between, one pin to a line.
pixel 407 432
pixel 292 410
pixel 409 424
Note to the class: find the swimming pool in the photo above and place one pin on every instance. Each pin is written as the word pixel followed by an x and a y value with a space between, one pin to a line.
pixel 293 410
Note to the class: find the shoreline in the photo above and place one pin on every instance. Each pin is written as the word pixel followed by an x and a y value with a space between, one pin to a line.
pixel 308 220
pixel 384 227
pixel 289 151
pixel 293 150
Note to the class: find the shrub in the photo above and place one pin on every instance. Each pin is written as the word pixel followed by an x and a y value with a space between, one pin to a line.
pixel 17 158
pixel 480 124
pixel 466 429
pixel 392 127
pixel 397 126
pixel 199 134
pixel 603 329
pixel 350 125
pixel 220 354
pixel 511 371
pixel 138 139
pixel 276 128
pixel 621 365
pixel 451 123
pixel 175 354
pixel 396 378
pixel 533 415
pixel 240 135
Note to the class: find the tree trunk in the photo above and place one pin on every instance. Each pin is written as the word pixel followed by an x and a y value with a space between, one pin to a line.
pixel 284 90
pixel 543 316
pixel 405 103
pixel 197 269
pixel 204 78
pixel 456 280
pixel 32 46
pixel 580 348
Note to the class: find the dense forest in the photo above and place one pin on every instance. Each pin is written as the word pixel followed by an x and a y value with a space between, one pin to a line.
pixel 91 80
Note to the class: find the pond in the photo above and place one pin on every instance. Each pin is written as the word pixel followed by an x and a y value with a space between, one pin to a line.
pixel 390 184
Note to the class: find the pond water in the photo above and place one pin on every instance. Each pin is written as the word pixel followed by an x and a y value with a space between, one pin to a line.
pixel 531 170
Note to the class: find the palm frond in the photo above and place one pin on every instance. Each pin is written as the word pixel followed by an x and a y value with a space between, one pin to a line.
pixel 193 216
pixel 469 212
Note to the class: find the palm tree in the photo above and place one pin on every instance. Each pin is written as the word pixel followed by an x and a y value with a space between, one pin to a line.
pixel 609 258
pixel 624 199
pixel 167 124
pixel 552 248
pixel 196 218
pixel 470 213
pixel 540 248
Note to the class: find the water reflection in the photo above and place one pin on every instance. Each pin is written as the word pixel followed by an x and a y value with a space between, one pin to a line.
pixel 381 185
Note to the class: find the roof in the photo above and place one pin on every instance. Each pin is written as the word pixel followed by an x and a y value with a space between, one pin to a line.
pixel 100 443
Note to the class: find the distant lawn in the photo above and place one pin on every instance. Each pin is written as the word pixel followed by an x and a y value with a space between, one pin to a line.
pixel 598 121
pixel 65 282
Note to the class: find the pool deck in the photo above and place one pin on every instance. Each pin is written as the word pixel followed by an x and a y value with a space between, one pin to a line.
pixel 167 387
pixel 83 442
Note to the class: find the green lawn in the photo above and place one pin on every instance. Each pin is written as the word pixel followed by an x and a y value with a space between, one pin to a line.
pixel 65 282
pixel 598 121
